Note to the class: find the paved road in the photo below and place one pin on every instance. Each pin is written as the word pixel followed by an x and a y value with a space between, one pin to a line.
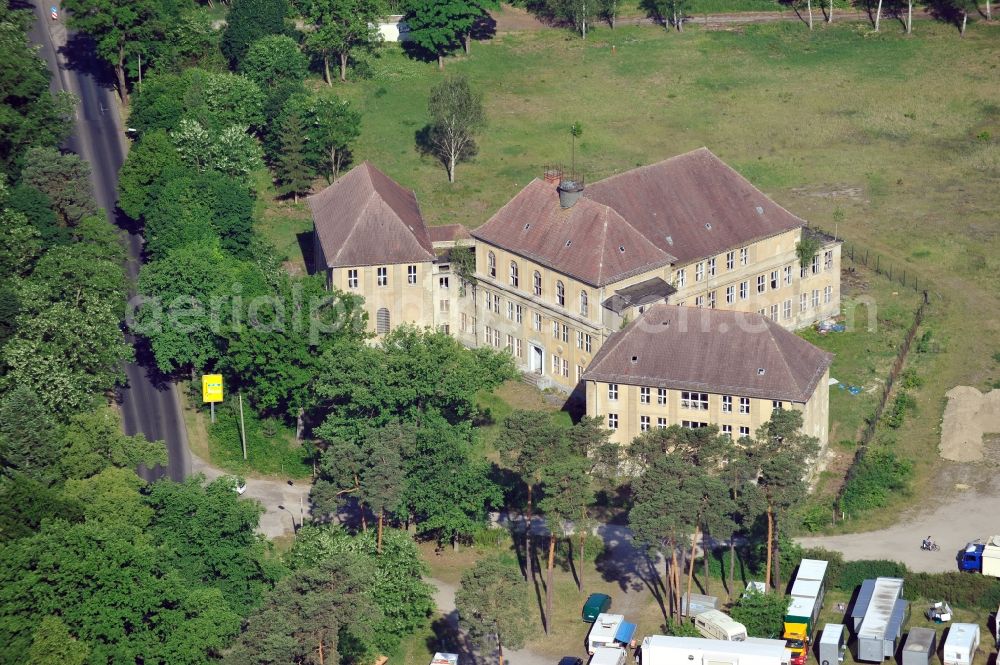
pixel 148 403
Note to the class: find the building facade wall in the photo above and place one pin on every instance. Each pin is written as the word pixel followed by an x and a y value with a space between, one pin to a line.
pixel 630 410
pixel 404 301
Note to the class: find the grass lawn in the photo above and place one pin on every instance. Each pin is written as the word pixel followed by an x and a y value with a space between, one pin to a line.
pixel 892 141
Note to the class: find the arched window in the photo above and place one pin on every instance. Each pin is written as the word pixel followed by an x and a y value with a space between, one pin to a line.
pixel 513 274
pixel 382 321
pixel 560 294
pixel 491 264
pixel 538 283
pixel 583 303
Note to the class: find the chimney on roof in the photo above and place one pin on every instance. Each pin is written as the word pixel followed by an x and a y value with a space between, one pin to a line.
pixel 570 192
pixel 552 175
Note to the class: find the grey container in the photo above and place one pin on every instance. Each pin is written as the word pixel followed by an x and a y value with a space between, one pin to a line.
pixel 832 644
pixel 880 643
pixel 861 603
pixel 920 646
pixel 699 603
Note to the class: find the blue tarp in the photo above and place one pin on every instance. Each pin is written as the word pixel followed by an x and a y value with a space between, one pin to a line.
pixel 625 632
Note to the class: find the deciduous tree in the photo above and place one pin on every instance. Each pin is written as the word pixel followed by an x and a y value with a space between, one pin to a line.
pixel 456 116
pixel 248 21
pixel 493 605
pixel 65 179
pixel 342 28
pixel 438 26
pixel 53 643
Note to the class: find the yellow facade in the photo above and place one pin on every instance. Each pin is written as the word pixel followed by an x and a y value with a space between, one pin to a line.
pixel 393 293
pixel 556 342
pixel 628 410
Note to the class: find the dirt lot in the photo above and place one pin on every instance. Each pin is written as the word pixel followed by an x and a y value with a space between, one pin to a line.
pixel 969 416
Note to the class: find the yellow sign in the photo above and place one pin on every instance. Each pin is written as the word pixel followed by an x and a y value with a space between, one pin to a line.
pixel 211 388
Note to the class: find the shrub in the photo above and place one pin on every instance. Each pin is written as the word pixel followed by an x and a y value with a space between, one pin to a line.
pixel 492 537
pixel 682 629
pixel 957 588
pixel 909 379
pixel 877 475
pixel 593 549
pixel 853 573
pixel 815 516
pixel 896 413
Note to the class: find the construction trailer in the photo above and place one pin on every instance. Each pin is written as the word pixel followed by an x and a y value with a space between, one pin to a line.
pixel 698 603
pixel 861 602
pixel 807 592
pixel 717 625
pixel 961 644
pixel 666 650
pixel 884 618
pixel 786 659
pixel 608 656
pixel 810 580
pixel 919 647
pixel 832 644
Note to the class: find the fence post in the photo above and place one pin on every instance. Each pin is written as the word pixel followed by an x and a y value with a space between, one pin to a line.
pixel 878 260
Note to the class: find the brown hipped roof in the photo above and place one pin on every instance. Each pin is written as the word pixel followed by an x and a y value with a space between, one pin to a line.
pixel 711 350
pixel 693 205
pixel 678 210
pixel 589 241
pixel 366 218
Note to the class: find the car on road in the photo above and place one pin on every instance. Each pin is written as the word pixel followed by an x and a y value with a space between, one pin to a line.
pixel 597 603
pixel 570 660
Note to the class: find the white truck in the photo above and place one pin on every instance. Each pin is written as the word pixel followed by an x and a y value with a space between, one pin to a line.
pixel 667 650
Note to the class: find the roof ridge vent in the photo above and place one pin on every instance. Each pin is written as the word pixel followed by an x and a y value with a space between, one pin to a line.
pixel 760 371
pixel 570 191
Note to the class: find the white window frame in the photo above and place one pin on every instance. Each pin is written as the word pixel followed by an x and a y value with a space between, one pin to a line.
pixel 744 256
pixel 643 423
pixel 491 264
pixel 644 395
pixel 411 275
pixel 730 260
pixel 727 403
pixel 710 268
pixel 382 275
pixel 560 294
pixel 661 396
pixel 744 289
pixel 699 271
pixel 681 278
pixel 612 392
pixel 613 421
pixel 788 275
pixel 745 406
pixel 694 401
pixel 661 423
pixel 761 283
pixel 514 274
pixel 352 278
pixel 730 294
pixel 537 283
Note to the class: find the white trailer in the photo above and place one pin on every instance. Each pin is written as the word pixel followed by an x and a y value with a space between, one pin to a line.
pixel 609 630
pixel 961 644
pixel 991 557
pixel 717 625
pixel 608 656
pixel 665 650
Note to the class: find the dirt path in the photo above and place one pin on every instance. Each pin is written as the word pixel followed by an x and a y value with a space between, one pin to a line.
pixel 968 502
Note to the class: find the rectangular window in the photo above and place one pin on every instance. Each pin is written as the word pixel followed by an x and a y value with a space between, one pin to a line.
pixel 727 403
pixel 730 294
pixel 774 312
pixel 696 401
pixel 489 335
pixel 802 271
pixel 744 290
pixel 536 321
pixel 465 322
pixel 579 339
pixel 788 275
pixel 352 278
pixel 444 328
pixel 643 423
pixel 513 274
pixel 579 373
pixel 518 313
pixel 644 395
pixel 382 274
pixel 774 279
pixel 711 299
pixel 803 301
pixel 496 303
pixel 727 430
pixel 510 343
pixel 613 391
pixel 680 278
pixel 744 431
pixel 788 309
pixel 828 260
pixel 445 306
pixel 762 311
pixel 586 343
pixel 745 405
pixel 510 310
pixel 565 333
pixel 443 282
pixel 761 283
pixel 496 338
pixel 711 267
pixel 517 347
pixel 744 256
pixel 556 365
pixel 565 368
pixel 699 301
pixel 690 424
pixel 612 421
pixel 815 301
pixel 555 329
pixel 827 294
pixel 661 423
pixel 815 264
pixel 411 274
pixel 775 405
pixel 661 396
pixel 699 271
pixel 730 260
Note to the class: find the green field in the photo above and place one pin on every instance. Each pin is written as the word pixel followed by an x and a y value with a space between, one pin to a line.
pixel 892 141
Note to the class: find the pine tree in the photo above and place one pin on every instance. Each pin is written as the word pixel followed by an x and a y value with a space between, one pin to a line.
pixel 293 173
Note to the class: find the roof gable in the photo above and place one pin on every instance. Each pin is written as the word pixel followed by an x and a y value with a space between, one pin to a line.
pixel 588 241
pixel 366 218
pixel 693 205
pixel 711 350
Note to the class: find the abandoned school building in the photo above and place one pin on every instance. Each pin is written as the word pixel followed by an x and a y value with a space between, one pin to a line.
pixel 562 268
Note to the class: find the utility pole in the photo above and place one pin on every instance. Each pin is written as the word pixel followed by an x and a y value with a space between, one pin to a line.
pixel 243 429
